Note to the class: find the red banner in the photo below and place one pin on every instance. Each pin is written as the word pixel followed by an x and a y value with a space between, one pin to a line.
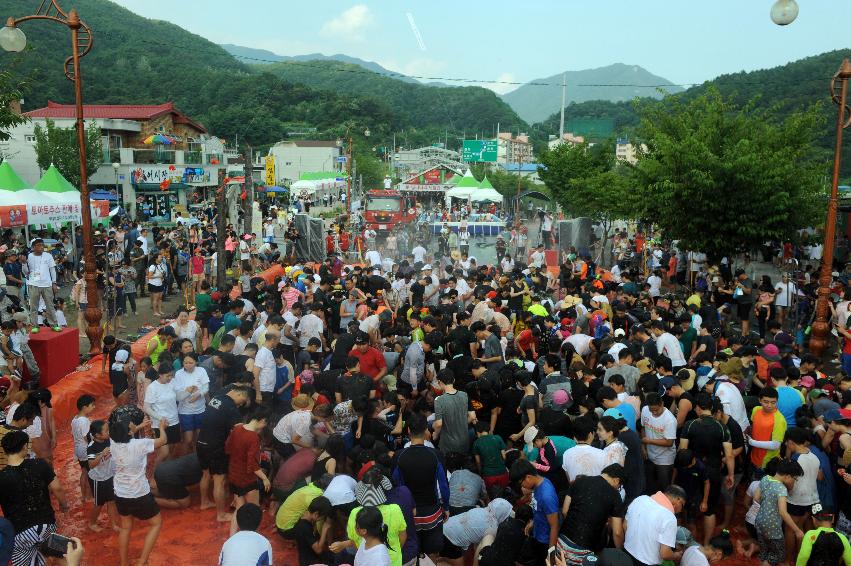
pixel 11 216
pixel 431 177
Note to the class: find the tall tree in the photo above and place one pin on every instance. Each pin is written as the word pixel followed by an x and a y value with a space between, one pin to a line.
pixel 59 147
pixel 717 176
pixel 11 92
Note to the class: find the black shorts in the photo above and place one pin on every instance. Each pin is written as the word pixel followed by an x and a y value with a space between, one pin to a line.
pixel 450 550
pixel 155 288
pixel 102 491
pixel 84 464
pixel 798 510
pixel 431 540
pixel 213 459
pixel 245 490
pixel 172 434
pixel 142 508
pixel 743 310
pixel 119 388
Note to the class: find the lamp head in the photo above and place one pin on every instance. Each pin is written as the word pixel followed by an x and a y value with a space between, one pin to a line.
pixel 366 132
pixel 12 39
pixel 784 12
pixel 115 166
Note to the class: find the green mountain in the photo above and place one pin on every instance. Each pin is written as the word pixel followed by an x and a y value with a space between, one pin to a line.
pixel 143 61
pixel 252 56
pixel 783 89
pixel 535 102
pixel 470 109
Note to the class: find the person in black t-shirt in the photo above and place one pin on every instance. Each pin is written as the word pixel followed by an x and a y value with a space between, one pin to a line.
pixel 590 503
pixel 343 345
pixel 353 384
pixel 173 477
pixel 221 415
pixel 25 489
pixel 737 440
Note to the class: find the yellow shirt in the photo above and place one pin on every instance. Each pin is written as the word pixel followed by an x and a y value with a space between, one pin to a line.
pixel 295 506
pixel 395 521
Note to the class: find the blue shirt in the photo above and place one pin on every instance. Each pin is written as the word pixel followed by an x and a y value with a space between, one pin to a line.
pixel 628 413
pixel 788 401
pixel 544 502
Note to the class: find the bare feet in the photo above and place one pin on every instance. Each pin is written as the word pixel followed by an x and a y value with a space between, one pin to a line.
pixel 95 527
pixel 224 518
pixel 207 505
pixel 116 528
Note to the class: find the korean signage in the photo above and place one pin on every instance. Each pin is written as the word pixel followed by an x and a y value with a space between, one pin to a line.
pixel 432 177
pixel 270 170
pixel 53 213
pixel 409 187
pixel 157 174
pixel 479 150
pixel 11 216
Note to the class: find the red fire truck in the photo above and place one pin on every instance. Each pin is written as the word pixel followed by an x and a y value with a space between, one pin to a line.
pixel 386 210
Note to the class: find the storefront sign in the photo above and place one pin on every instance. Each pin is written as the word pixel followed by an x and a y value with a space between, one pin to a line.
pixel 156 174
pixel 53 213
pixel 270 170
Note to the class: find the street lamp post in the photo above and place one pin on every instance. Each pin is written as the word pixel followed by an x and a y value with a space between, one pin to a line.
pixel 13 39
pixel 821 326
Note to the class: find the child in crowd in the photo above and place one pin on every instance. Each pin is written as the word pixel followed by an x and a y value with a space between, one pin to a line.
pixel 101 469
pixel 489 450
pixel 79 431
pixel 767 430
pixel 773 514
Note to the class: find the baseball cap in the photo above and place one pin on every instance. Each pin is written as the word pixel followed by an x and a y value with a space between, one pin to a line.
pixel 560 398
pixel 362 338
pixel 808 381
pixel 837 415
pixel 491 295
pixel 822 513
pixel 667 382
pixel 614 412
pixel 426 267
pixel 122 356
pixel 620 332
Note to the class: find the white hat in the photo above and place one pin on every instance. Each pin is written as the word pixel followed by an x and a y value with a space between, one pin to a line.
pixel 600 299
pixel 620 332
pixel 426 266
pixel 122 356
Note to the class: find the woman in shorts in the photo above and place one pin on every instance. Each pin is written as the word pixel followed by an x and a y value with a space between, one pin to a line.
pixel 133 498
pixel 155 277
pixel 161 404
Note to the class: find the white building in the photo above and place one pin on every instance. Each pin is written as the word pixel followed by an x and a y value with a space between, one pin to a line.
pixel 568 138
pixel 152 177
pixel 513 149
pixel 293 158
pixel 625 151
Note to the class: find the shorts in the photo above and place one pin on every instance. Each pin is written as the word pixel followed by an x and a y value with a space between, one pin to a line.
pixel 798 510
pixel 728 496
pixel 450 550
pixel 155 288
pixel 771 550
pixel 119 388
pixel 431 540
pixel 500 480
pixel 189 423
pixel 751 530
pixel 172 434
pixel 84 464
pixel 102 491
pixel 743 311
pixel 213 459
pixel 142 508
pixel 246 489
pixel 197 276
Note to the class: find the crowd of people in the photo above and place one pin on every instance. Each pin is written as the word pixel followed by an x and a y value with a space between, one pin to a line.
pixel 420 407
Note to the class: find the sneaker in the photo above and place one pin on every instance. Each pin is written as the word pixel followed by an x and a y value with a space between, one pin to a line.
pixel 57 329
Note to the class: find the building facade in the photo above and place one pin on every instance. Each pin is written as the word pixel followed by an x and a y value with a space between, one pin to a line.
pixel 626 151
pixel 296 157
pixel 151 181
pixel 513 149
pixel 567 137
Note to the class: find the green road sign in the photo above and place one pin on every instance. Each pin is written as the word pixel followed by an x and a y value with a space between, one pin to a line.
pixel 479 150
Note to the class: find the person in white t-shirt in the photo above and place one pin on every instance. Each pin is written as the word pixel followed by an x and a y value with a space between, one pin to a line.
pixel 668 345
pixel 583 459
pixel 161 403
pixel 659 427
pixel 265 369
pixel 655 282
pixel 191 387
pixel 783 293
pixel 372 258
pixel 41 281
pixel 651 526
pixel 718 548
pixel 419 253
pixel 246 547
pixel 133 497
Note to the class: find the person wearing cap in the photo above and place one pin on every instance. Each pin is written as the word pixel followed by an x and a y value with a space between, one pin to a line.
pixel 41 281
pixel 14 274
pixel 544 533
pixel 592 503
pixel 823 542
pixel 293 432
pixel 372 362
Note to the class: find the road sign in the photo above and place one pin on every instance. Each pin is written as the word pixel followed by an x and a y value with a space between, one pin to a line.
pixel 341 159
pixel 479 150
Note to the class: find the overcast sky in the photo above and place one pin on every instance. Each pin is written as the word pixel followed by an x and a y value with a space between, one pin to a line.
pixel 684 41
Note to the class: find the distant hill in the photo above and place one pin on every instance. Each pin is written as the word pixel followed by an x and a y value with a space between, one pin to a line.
pixel 784 89
pixel 534 103
pixel 468 108
pixel 252 56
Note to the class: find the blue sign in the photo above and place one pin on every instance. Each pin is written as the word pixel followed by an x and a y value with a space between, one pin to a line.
pixel 341 159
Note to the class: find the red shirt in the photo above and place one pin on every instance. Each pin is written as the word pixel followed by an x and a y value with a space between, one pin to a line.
pixel 243 448
pixel 371 361
pixel 525 339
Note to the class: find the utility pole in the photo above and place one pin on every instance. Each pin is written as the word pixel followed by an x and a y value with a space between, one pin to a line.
pixel 221 225
pixel 563 98
pixel 248 203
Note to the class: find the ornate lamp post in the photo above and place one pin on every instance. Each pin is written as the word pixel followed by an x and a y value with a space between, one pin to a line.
pixel 821 326
pixel 12 38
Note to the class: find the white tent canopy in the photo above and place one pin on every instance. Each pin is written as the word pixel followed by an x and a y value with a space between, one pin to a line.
pixel 483 195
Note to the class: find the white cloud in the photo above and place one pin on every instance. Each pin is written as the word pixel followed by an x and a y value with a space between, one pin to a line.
pixel 350 25
pixel 500 88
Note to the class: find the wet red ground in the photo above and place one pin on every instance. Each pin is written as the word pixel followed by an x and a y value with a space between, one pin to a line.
pixel 188 537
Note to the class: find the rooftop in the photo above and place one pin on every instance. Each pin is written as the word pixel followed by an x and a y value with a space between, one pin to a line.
pixel 114 112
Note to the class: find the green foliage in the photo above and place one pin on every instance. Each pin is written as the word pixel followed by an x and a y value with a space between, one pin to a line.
pixel 586 181
pixel 59 147
pixel 11 90
pixel 717 176
pixel 504 182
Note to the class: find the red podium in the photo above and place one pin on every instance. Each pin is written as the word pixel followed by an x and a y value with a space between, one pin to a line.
pixel 57 353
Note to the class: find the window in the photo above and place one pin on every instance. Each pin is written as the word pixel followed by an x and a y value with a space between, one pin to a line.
pixel 383 204
pixel 29 139
pixel 114 141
